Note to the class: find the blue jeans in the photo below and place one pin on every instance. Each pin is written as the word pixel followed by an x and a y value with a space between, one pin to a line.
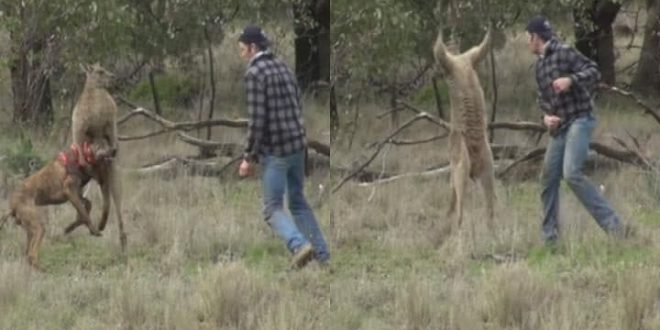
pixel 282 174
pixel 565 157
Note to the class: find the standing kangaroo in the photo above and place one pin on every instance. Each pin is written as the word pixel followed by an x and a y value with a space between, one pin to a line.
pixel 95 117
pixel 470 154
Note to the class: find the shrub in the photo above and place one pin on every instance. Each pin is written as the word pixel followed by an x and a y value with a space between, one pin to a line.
pixel 173 90
pixel 21 158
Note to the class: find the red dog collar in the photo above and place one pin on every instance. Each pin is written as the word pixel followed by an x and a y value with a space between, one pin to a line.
pixel 72 156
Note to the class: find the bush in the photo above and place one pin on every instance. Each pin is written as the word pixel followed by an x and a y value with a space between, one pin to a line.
pixel 173 90
pixel 21 158
pixel 425 96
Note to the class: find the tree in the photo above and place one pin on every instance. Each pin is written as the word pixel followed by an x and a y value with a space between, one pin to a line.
pixel 43 35
pixel 593 33
pixel 50 37
pixel 312 44
pixel 647 76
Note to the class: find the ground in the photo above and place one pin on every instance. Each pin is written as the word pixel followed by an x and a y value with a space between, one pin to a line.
pixel 201 257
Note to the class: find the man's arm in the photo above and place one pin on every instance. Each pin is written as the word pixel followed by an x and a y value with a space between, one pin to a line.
pixel 585 71
pixel 543 102
pixel 256 106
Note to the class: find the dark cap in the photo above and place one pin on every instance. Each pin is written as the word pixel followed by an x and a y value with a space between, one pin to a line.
pixel 254 35
pixel 541 26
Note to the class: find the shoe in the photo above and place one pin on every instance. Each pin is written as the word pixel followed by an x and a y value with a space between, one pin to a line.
pixel 302 256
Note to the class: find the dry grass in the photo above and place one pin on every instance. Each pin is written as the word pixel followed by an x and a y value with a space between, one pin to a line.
pixel 200 257
pixel 427 278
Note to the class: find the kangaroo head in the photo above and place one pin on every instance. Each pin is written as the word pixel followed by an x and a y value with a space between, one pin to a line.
pixel 97 76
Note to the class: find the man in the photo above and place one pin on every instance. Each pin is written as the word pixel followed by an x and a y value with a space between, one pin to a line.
pixel 276 137
pixel 565 80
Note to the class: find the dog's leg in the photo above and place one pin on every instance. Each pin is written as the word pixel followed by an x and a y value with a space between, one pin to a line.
pixel 34 230
pixel 37 238
pixel 72 192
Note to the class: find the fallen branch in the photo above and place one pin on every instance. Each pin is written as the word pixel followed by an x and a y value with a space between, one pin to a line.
pixel 431 117
pixel 380 146
pixel 319 147
pixel 441 170
pixel 169 126
pixel 532 154
pixel 185 125
pixel 646 107
pixel 518 126
pixel 173 166
pixel 229 149
pixel 626 156
pixel 414 142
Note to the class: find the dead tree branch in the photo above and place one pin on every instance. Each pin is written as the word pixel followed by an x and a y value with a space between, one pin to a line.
pixel 431 172
pixel 532 154
pixel 380 146
pixel 628 155
pixel 170 126
pixel 175 166
pixel 439 122
pixel 518 126
pixel 414 142
pixel 184 125
pixel 647 109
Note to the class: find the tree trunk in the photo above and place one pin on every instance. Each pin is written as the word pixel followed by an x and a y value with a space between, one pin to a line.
pixel 647 77
pixel 594 37
pixel 307 44
pixel 32 57
pixel 323 17
pixel 31 90
pixel 334 114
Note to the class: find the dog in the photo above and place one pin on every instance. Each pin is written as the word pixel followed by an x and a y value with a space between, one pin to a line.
pixel 60 181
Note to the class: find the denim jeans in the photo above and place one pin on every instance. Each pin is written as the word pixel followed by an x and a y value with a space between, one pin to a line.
pixel 287 174
pixel 565 157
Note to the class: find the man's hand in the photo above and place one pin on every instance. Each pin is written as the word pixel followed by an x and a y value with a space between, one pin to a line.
pixel 245 169
pixel 561 85
pixel 551 122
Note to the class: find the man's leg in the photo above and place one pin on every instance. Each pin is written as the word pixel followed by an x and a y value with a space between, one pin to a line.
pixel 274 185
pixel 550 180
pixel 302 213
pixel 577 148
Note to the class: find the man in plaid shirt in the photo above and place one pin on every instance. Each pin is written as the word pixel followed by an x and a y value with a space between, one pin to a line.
pixel 276 138
pixel 565 81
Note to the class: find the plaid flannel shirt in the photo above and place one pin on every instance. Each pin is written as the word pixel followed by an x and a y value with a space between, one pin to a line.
pixel 276 126
pixel 560 61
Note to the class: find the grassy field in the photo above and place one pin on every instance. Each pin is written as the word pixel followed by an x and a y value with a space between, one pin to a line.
pixel 418 275
pixel 201 257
